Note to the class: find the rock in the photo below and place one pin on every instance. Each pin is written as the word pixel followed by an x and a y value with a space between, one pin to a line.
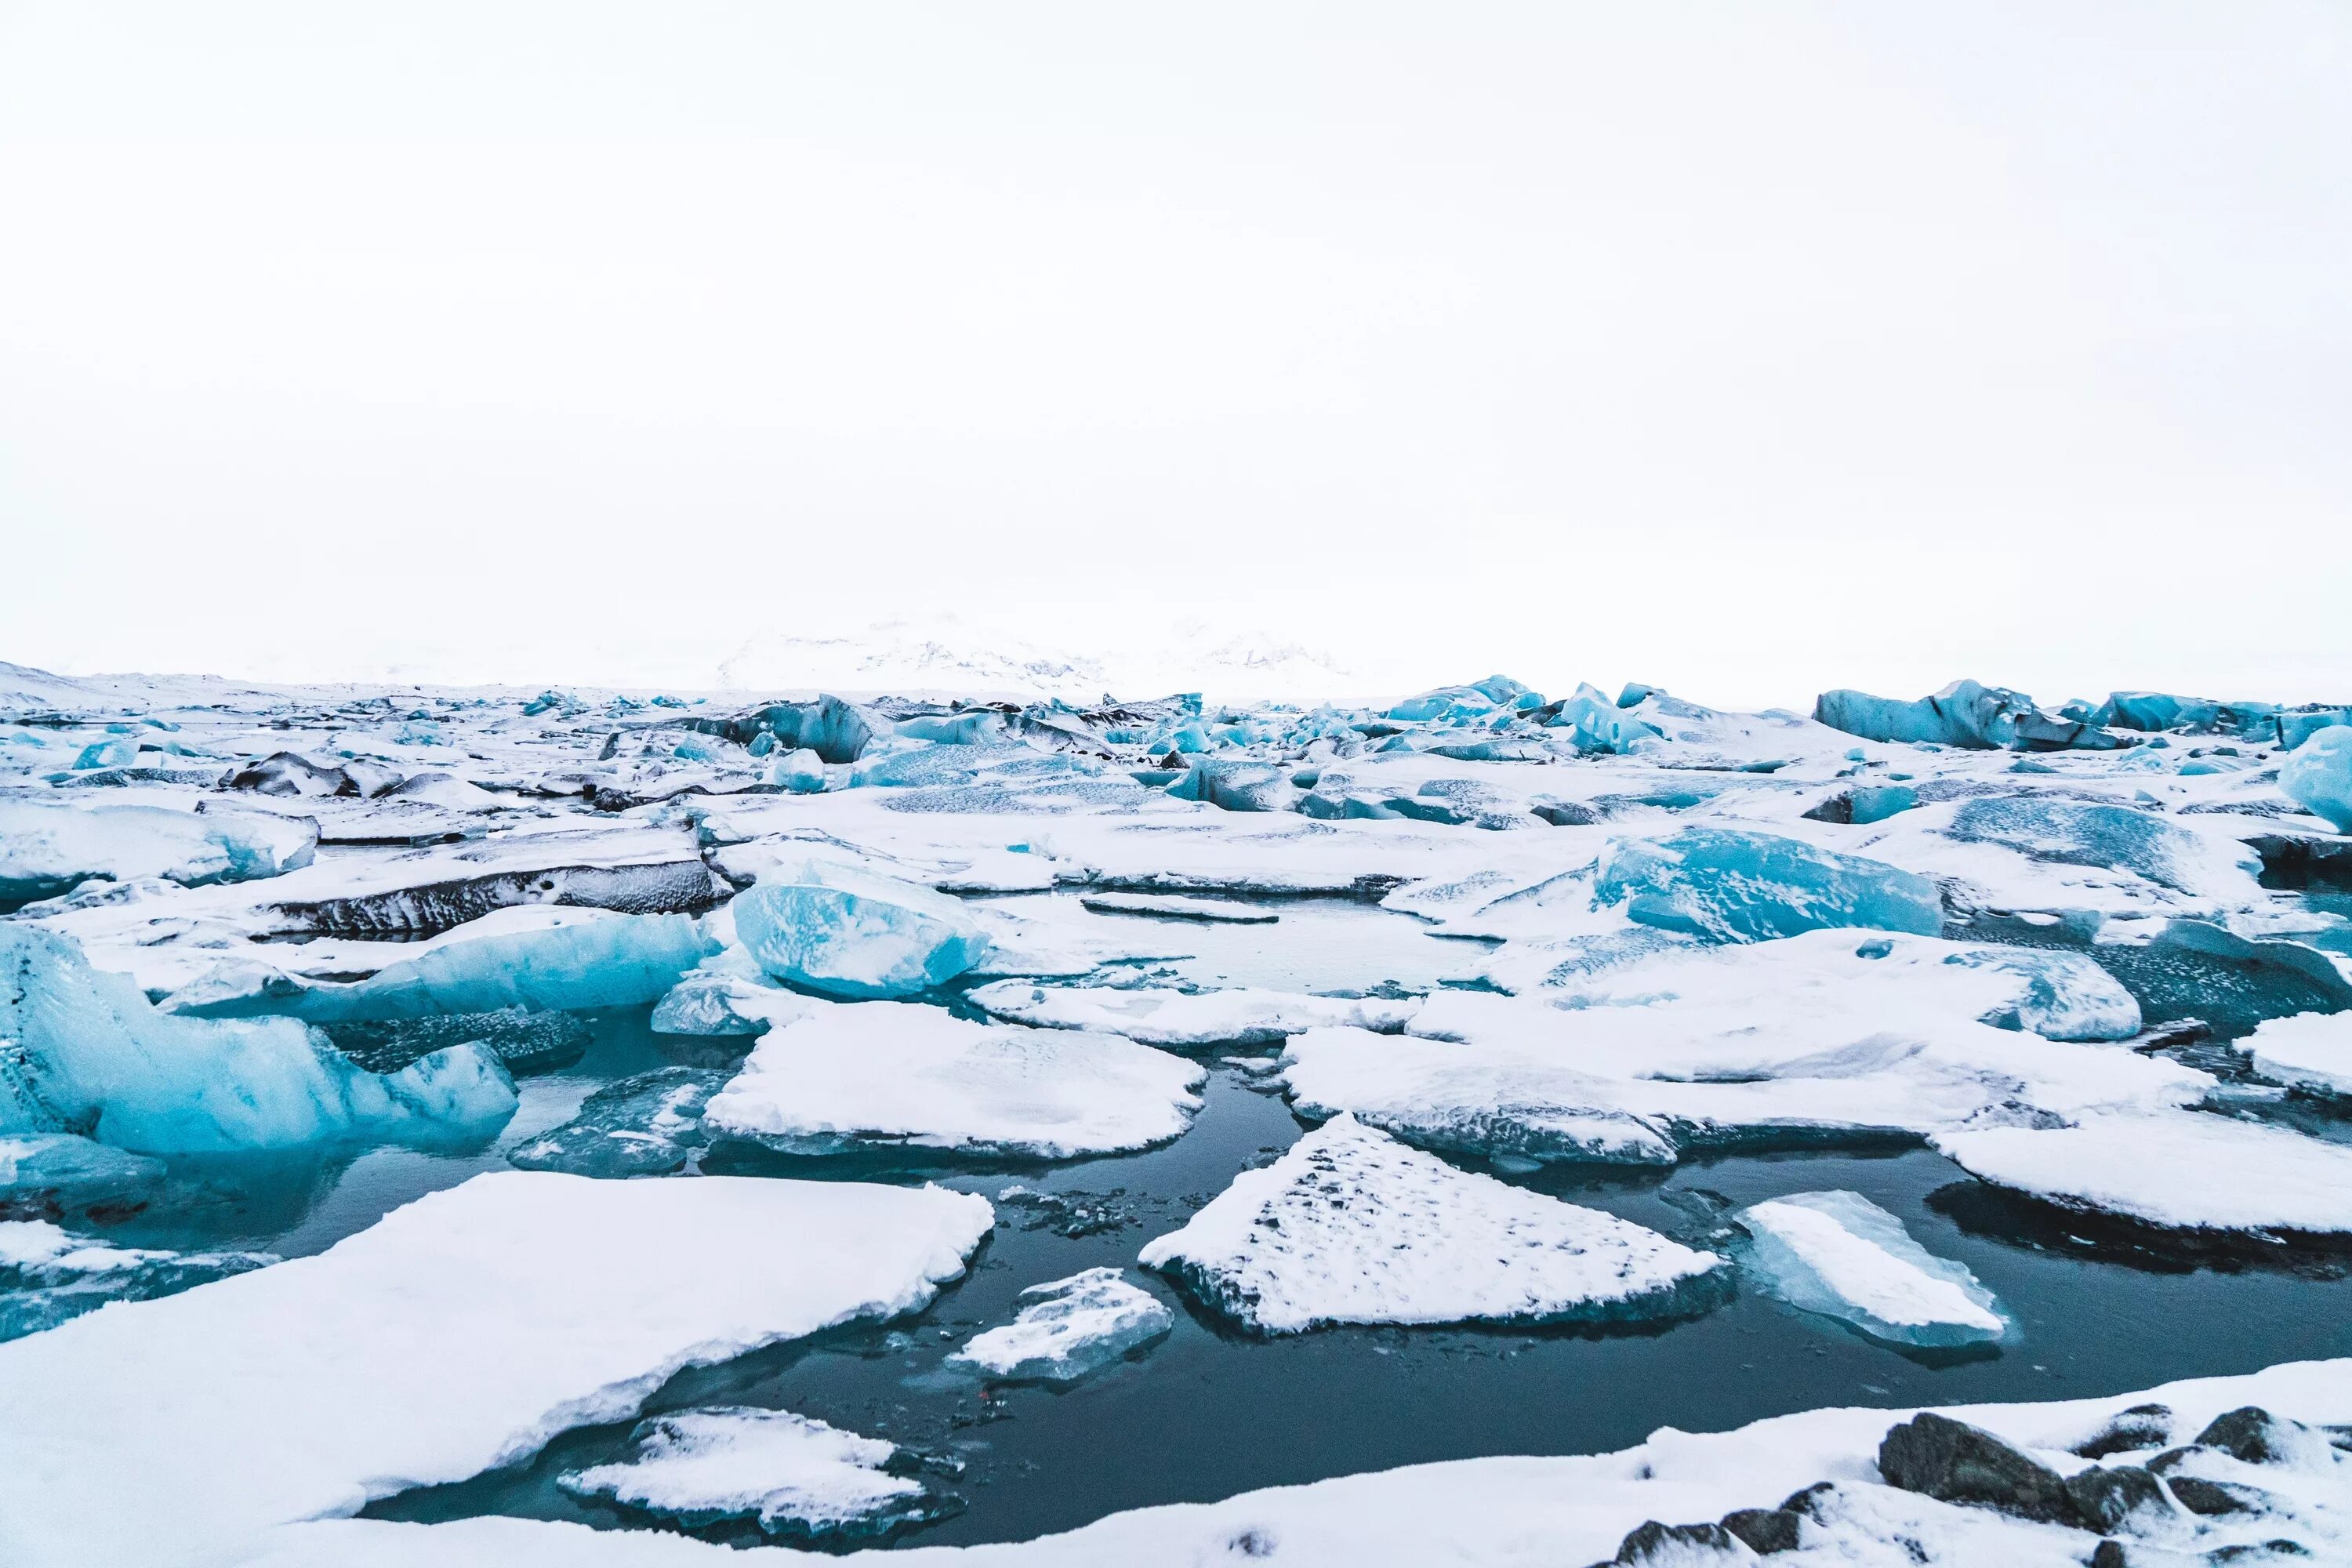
pixel 2141 1427
pixel 2107 1498
pixel 1765 1530
pixel 2109 1554
pixel 2255 1436
pixel 1676 1545
pixel 2213 1499
pixel 1953 1462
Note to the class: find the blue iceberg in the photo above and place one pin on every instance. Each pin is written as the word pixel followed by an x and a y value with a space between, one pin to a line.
pixel 48 849
pixel 2080 833
pixel 1729 886
pixel 846 932
pixel 2319 775
pixel 1597 724
pixel 1965 713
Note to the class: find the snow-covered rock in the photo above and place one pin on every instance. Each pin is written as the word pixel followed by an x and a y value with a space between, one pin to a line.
pixel 1842 1256
pixel 1352 1227
pixel 1069 1328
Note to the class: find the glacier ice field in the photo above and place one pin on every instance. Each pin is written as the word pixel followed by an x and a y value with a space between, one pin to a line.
pixel 454 1126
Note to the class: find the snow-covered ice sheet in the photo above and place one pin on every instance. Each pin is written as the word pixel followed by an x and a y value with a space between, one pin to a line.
pixel 2310 1051
pixel 1068 1329
pixel 1841 1255
pixel 1169 905
pixel 456 1334
pixel 1159 1015
pixel 1352 1226
pixel 2184 1171
pixel 901 1074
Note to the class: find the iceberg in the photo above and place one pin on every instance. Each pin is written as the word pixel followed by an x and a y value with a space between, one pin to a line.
pixel 1070 1328
pixel 1597 724
pixel 47 1277
pixel 1172 907
pixel 1842 1256
pixel 2182 1171
pixel 2158 711
pixel 798 1477
pixel 526 1041
pixel 1352 1227
pixel 901 1075
pixel 455 1335
pixel 50 1175
pixel 649 1125
pixel 82 1051
pixel 1731 886
pixel 1156 1015
pixel 834 729
pixel 846 932
pixel 2318 775
pixel 2079 833
pixel 48 849
pixel 714 1000
pixel 2309 1051
pixel 798 772
pixel 1964 714
pixel 1232 785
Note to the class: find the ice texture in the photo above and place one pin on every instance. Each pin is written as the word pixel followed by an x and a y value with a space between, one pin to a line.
pixel 1965 713
pixel 81 1050
pixel 848 932
pixel 1731 886
pixel 455 1335
pixel 2080 833
pixel 1158 1016
pixel 649 1125
pixel 49 848
pixel 1069 1328
pixel 1352 1226
pixel 900 1074
pixel 797 1476
pixel 2309 1051
pixel 2183 1171
pixel 2318 775
pixel 1839 1254
pixel 47 1277
pixel 50 1176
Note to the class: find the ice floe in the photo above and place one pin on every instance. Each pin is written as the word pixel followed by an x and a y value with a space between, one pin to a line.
pixel 2310 1051
pixel 1839 1254
pixel 1069 1328
pixel 1352 1226
pixel 1731 886
pixel 1159 1015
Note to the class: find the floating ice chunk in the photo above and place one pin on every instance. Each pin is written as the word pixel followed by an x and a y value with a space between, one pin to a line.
pixel 2310 1051
pixel 1964 714
pixel 715 1002
pixel 800 772
pixel 1233 785
pixel 1070 1328
pixel 1598 724
pixel 81 1049
pixel 1171 906
pixel 47 1277
pixel 797 1476
pixel 2317 774
pixel 536 956
pixel 649 1125
pixel 1842 1256
pixel 526 1041
pixel 1159 1017
pixel 1729 886
pixel 455 1335
pixel 2185 1171
pixel 2064 995
pixel 2152 710
pixel 848 932
pixel 52 1175
pixel 1352 1227
pixel 888 1074
pixel 2079 833
pixel 47 848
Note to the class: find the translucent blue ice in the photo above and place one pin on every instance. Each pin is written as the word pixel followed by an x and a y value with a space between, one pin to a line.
pixel 972 729
pixel 82 1050
pixel 799 772
pixel 1597 724
pixel 1842 1256
pixel 2080 832
pixel 2067 995
pixel 1728 886
pixel 2319 775
pixel 848 932
pixel 1964 714
pixel 1238 786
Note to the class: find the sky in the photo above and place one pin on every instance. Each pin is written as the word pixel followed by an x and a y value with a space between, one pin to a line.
pixel 1742 350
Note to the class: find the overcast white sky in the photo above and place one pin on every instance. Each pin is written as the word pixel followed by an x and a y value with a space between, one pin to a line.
pixel 1745 349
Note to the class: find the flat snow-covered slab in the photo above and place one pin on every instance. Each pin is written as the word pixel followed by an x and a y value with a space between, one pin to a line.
pixel 1352 1227
pixel 1842 1256
pixel 2310 1051
pixel 2184 1171
pixel 1175 907
pixel 1159 1015
pixel 456 1334
pixel 876 1074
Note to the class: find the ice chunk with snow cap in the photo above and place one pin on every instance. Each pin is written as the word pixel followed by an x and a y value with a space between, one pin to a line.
pixel 1965 713
pixel 1352 1227
pixel 85 1051
pixel 2309 1051
pixel 2317 774
pixel 2181 1169
pixel 848 932
pixel 1069 1328
pixel 1732 886
pixel 1839 1254
pixel 49 848
pixel 797 1476
pixel 1159 1015
pixel 649 1125
pixel 2083 832
pixel 1597 724
pixel 1232 785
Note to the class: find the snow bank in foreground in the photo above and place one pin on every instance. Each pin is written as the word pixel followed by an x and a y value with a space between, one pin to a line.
pixel 2185 1171
pixel 1352 1227
pixel 1542 1512
pixel 456 1334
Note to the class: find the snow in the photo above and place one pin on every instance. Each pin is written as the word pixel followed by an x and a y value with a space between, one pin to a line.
pixel 2310 1051
pixel 1841 1255
pixel 2317 774
pixel 1171 907
pixel 2183 1171
pixel 1070 1328
pixel 793 1474
pixel 1731 886
pixel 842 931
pixel 1158 1016
pixel 457 1335
pixel 49 848
pixel 894 1074
pixel 1352 1227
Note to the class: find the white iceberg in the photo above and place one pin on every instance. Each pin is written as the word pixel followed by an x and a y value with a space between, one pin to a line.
pixel 1839 1254
pixel 2309 1051
pixel 1352 1226
pixel 454 1336
pixel 1070 1328
pixel 1160 1015
pixel 49 848
pixel 900 1074
pixel 2185 1171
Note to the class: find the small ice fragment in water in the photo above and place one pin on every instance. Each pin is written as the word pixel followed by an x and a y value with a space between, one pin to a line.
pixel 1839 1254
pixel 1070 1328
pixel 649 1125
pixel 848 932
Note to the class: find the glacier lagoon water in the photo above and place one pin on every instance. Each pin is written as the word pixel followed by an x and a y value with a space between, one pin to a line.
pixel 1208 1412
